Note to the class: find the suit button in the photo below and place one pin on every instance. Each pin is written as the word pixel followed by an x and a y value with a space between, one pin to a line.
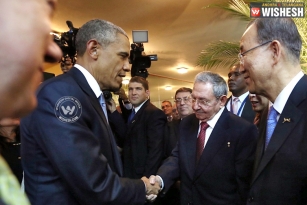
pixel 250 199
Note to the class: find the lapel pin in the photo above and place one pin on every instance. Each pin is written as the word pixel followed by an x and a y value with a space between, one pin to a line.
pixel 228 144
pixel 286 120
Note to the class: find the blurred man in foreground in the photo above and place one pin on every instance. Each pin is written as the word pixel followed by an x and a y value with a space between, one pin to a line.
pixel 25 45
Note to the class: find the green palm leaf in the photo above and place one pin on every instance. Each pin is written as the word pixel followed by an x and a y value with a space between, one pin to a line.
pixel 214 56
pixel 219 54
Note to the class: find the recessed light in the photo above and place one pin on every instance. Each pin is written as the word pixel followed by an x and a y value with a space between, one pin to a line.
pixel 182 70
pixel 168 87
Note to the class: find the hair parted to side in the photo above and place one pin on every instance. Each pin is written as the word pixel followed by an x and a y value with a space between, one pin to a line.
pixel 282 29
pixel 169 102
pixel 103 31
pixel 139 79
pixel 183 89
pixel 218 83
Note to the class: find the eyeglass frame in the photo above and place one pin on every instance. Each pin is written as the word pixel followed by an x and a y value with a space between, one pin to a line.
pixel 184 99
pixel 241 55
pixel 205 103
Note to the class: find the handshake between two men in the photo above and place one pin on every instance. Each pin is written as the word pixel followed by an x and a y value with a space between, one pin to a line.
pixel 153 187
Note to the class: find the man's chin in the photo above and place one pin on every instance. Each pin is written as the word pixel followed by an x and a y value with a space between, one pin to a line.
pixel 25 108
pixel 115 88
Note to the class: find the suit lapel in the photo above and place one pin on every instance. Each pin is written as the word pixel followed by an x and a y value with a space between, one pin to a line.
pixel 247 112
pixel 283 129
pixel 137 115
pixel 81 81
pixel 215 142
pixel 188 143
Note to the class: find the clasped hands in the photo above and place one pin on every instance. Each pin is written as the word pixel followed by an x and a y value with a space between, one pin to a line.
pixel 153 187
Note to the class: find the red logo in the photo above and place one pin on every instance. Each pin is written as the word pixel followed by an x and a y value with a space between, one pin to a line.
pixel 255 12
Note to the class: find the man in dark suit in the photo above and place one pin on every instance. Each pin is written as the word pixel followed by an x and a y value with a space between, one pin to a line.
pixel 144 134
pixel 238 103
pixel 184 107
pixel 270 57
pixel 216 166
pixel 69 154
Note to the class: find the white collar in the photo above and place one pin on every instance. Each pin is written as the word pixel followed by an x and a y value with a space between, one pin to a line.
pixel 90 80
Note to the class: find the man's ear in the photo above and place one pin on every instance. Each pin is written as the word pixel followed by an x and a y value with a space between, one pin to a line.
pixel 276 48
pixel 93 48
pixel 223 100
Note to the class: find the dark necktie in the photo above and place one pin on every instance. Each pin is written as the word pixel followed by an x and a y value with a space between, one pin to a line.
pixel 201 140
pixel 131 115
pixel 103 106
pixel 271 124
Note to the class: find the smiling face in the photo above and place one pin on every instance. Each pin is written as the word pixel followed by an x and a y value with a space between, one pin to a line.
pixel 167 108
pixel 25 44
pixel 183 104
pixel 112 64
pixel 204 92
pixel 257 63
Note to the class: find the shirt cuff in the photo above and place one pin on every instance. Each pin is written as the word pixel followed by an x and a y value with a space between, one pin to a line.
pixel 162 183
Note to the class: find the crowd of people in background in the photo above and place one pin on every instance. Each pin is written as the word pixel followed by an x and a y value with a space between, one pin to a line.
pixel 78 147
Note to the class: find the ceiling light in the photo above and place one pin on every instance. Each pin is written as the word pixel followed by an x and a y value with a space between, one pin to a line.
pixel 168 87
pixel 182 70
pixel 125 81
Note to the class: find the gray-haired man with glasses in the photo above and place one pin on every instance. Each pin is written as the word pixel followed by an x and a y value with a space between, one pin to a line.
pixel 270 56
pixel 215 152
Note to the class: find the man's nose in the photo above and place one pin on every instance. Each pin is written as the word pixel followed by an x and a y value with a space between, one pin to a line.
pixel 53 53
pixel 126 66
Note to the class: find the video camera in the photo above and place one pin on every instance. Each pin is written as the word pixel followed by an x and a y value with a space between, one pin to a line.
pixel 66 41
pixel 140 62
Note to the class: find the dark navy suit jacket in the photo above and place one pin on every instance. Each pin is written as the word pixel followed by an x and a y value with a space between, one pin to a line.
pixel 68 152
pixel 280 172
pixel 247 112
pixel 223 173
pixel 143 140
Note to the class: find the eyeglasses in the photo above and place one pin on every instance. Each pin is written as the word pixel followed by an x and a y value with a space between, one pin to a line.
pixel 241 55
pixel 185 100
pixel 204 103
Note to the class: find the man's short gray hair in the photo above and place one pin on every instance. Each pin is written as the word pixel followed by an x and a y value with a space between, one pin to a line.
pixel 282 29
pixel 103 31
pixel 218 83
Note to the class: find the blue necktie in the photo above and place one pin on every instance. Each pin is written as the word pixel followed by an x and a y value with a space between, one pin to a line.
pixel 131 115
pixel 271 124
pixel 103 106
